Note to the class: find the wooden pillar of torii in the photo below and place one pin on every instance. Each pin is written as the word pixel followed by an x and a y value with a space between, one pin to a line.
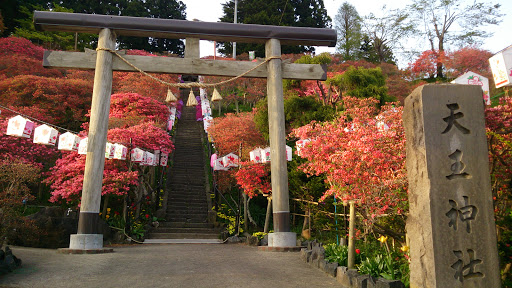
pixel 108 27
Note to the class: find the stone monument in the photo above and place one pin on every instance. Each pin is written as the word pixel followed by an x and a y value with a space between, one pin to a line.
pixel 451 220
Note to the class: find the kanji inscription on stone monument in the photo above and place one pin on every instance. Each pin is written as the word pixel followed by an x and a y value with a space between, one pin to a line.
pixel 451 219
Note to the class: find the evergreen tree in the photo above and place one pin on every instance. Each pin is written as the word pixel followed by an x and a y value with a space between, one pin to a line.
pixel 362 83
pixel 18 15
pixel 368 51
pixel 299 13
pixel 163 9
pixel 348 26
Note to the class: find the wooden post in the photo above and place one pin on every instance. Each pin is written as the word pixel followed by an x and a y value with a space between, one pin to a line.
pixel 267 217
pixel 278 164
pixel 95 161
pixel 351 248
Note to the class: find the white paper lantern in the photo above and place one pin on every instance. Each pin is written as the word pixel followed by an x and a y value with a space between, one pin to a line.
pixel 472 78
pixel 120 152
pixel 170 124
pixel 219 165
pixel 148 159
pixel 501 65
pixel 265 155
pixel 289 151
pixel 230 160
pixel 163 159
pixel 207 122
pixel 157 158
pixel 20 127
pixel 137 155
pixel 256 155
pixel 69 142
pixel 301 144
pixel 110 150
pixel 82 146
pixel 45 135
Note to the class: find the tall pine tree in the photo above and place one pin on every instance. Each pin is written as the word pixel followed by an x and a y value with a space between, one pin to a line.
pixel 348 26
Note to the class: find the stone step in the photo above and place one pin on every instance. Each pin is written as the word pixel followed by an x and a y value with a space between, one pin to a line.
pixel 186 187
pixel 186 201
pixel 176 224
pixel 190 201
pixel 193 216
pixel 185 230
pixel 192 219
pixel 198 208
pixel 183 241
pixel 188 210
pixel 188 195
pixel 213 235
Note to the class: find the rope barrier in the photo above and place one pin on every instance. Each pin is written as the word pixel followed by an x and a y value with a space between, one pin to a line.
pixel 191 84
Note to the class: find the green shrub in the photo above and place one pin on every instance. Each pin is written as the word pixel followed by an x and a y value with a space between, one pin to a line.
pixel 336 254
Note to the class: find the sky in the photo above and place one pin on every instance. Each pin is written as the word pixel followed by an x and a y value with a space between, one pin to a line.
pixel 211 11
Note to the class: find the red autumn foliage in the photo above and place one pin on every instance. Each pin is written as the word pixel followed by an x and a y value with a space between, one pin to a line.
pixel 254 178
pixel 499 134
pixel 66 178
pixel 18 64
pixel 230 131
pixel 426 64
pixel 360 160
pixel 469 59
pixel 20 46
pixel 145 135
pixel 129 109
pixel 60 101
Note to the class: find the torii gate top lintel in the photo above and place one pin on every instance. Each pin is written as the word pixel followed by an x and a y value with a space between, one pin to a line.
pixel 181 29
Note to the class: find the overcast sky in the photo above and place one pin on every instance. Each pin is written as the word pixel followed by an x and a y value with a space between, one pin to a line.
pixel 211 11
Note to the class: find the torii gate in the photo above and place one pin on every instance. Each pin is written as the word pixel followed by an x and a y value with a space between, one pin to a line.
pixel 109 27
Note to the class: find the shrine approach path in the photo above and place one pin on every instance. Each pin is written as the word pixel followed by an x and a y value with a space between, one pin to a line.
pixel 164 265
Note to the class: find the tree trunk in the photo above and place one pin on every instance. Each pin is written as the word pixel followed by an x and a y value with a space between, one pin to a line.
pixel 105 205
pixel 246 207
pixel 439 60
pixel 267 217
pixel 306 226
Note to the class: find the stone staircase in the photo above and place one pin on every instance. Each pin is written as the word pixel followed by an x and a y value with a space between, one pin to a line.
pixel 187 206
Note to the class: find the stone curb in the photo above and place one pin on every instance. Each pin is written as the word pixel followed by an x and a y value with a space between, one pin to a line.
pixel 84 251
pixel 279 249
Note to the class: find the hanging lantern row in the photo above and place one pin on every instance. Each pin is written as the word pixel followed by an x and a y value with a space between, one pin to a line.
pixel 19 126
pixel 224 163
pixel 206 110
pixel 145 158
pixel 260 155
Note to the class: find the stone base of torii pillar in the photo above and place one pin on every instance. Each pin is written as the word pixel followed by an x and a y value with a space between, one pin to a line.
pixel 282 239
pixel 85 244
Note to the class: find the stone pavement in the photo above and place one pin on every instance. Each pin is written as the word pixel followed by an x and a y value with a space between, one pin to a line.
pixel 165 265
